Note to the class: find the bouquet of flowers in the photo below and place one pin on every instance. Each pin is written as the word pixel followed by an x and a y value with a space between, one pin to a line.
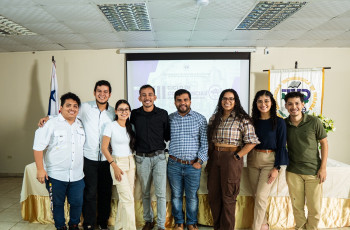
pixel 328 124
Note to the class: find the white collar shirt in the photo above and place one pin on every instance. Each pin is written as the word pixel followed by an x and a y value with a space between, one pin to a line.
pixel 94 122
pixel 64 158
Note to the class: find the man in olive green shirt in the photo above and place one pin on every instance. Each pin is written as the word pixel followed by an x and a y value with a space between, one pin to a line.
pixel 306 170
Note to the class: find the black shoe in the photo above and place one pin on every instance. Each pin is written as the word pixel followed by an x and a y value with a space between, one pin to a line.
pixel 62 228
pixel 73 227
pixel 103 227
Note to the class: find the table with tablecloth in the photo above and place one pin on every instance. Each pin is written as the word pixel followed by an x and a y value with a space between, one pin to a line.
pixel 35 202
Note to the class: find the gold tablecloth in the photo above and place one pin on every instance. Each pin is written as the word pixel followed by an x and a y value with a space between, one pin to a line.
pixel 335 210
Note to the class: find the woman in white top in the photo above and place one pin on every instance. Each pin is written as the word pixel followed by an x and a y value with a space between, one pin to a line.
pixel 122 138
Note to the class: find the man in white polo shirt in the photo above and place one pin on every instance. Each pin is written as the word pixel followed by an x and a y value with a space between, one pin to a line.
pixel 95 116
pixel 62 165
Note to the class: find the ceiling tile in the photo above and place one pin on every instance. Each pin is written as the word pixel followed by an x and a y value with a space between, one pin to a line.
pixel 173 35
pixel 246 34
pixel 43 47
pixel 136 35
pixel 32 39
pixel 334 43
pixel 107 45
pixel 172 24
pixel 77 46
pixel 335 24
pixel 66 38
pixel 302 43
pixel 178 43
pixel 204 43
pixel 300 24
pixel 103 37
pixel 323 8
pixel 283 35
pixel 88 26
pixel 271 43
pixel 16 3
pixel 217 24
pixel 48 28
pixel 226 9
pixel 320 35
pixel 236 43
pixel 18 48
pixel 30 14
pixel 184 9
pixel 343 36
pixel 140 44
pixel 207 35
pixel 70 12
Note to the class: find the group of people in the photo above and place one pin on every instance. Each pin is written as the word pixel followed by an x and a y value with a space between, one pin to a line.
pixel 120 143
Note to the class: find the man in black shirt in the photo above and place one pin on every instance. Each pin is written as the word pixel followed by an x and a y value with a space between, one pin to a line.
pixel 152 129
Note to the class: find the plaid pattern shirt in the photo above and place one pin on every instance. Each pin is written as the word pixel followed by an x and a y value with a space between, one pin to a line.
pixel 236 132
pixel 188 136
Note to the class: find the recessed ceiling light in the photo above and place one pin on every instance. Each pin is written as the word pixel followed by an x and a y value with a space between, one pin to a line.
pixel 8 27
pixel 266 15
pixel 127 17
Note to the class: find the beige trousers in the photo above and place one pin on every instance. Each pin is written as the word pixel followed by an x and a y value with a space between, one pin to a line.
pixel 125 218
pixel 301 187
pixel 259 165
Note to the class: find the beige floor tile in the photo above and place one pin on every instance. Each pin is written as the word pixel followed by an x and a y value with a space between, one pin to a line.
pixel 28 226
pixel 6 202
pixel 10 215
pixel 6 225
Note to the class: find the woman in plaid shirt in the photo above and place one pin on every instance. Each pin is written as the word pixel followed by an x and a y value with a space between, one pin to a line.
pixel 231 135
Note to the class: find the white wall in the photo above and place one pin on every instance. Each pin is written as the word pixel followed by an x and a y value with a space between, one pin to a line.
pixel 25 82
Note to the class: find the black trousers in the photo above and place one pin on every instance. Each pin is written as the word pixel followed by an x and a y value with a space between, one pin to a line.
pixel 98 188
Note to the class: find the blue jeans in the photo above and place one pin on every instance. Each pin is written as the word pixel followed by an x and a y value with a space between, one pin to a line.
pixel 74 192
pixel 148 169
pixel 182 178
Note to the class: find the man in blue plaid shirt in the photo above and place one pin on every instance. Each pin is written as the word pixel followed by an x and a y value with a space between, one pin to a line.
pixel 187 151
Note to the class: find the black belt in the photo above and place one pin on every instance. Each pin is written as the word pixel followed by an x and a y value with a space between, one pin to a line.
pixel 151 154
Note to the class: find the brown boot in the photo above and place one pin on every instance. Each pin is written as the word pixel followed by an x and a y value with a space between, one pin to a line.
pixel 192 227
pixel 148 226
pixel 178 227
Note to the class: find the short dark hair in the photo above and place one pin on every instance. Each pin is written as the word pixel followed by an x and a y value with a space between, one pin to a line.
pixel 103 82
pixel 294 94
pixel 180 92
pixel 145 87
pixel 70 95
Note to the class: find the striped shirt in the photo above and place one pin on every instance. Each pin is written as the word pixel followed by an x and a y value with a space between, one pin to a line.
pixel 234 131
pixel 188 136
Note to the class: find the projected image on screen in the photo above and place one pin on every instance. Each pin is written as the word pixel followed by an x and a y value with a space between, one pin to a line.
pixel 205 79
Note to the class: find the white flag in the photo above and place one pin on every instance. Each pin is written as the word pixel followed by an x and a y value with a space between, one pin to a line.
pixel 54 100
pixel 307 81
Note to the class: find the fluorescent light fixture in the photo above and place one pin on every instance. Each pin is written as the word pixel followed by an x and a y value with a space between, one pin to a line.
pixel 127 17
pixel 185 50
pixel 8 27
pixel 267 14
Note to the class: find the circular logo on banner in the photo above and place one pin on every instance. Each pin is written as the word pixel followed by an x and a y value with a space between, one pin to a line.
pixel 293 84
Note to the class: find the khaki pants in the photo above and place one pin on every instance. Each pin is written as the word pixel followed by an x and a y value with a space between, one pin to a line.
pixel 301 187
pixel 259 165
pixel 125 218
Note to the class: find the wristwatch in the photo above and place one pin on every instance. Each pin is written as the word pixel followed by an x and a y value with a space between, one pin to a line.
pixel 237 156
pixel 200 161
pixel 278 168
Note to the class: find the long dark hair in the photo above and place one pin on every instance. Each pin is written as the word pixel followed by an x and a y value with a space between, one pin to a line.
pixel 219 111
pixel 127 124
pixel 256 113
